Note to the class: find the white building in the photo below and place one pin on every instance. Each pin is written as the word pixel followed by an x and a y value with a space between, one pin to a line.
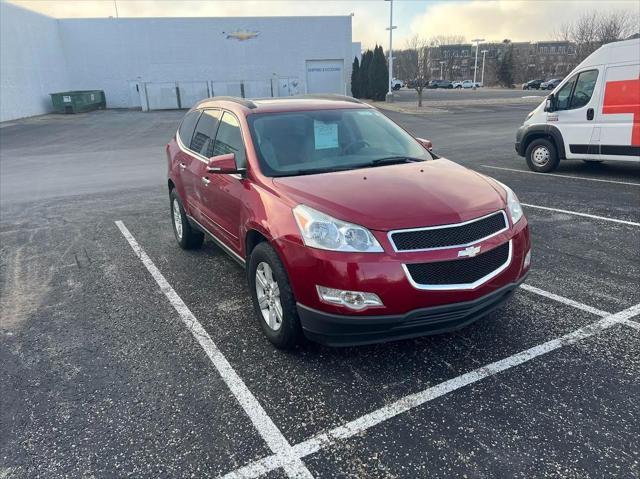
pixel 156 63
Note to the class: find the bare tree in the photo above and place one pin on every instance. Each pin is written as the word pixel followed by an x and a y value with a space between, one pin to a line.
pixel 418 71
pixel 616 26
pixel 440 40
pixel 592 30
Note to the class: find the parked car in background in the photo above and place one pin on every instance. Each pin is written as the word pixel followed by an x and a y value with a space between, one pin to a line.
pixel 396 84
pixel 592 115
pixel 440 84
pixel 465 84
pixel 291 189
pixel 550 84
pixel 532 85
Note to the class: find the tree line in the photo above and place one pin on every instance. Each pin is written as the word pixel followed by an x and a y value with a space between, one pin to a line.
pixel 370 78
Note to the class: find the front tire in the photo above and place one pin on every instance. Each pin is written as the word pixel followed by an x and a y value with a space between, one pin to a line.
pixel 273 299
pixel 186 236
pixel 541 156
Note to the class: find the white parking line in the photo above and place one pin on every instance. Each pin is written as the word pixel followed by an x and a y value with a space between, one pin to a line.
pixel 586 215
pixel 561 176
pixel 631 324
pixel 567 301
pixel 361 424
pixel 291 462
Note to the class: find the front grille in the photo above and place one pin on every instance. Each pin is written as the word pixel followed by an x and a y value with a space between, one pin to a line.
pixel 449 236
pixel 459 271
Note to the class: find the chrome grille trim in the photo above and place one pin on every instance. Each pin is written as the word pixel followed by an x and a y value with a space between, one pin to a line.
pixel 452 225
pixel 465 286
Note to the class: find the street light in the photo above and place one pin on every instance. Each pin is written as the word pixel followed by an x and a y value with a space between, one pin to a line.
pixel 484 53
pixel 441 65
pixel 391 28
pixel 475 68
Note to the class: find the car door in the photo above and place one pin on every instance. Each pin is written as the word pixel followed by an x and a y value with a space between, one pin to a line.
pixel 200 150
pixel 574 114
pixel 183 159
pixel 222 193
pixel 619 116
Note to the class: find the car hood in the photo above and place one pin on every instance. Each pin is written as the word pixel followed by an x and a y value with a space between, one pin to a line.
pixel 391 197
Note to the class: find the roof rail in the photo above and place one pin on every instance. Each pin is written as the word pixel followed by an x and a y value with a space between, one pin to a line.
pixel 328 96
pixel 235 99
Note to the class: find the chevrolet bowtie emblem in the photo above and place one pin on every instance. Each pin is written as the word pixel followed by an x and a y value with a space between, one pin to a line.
pixel 470 252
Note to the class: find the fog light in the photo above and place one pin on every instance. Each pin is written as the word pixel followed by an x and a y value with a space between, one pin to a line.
pixel 350 299
pixel 527 259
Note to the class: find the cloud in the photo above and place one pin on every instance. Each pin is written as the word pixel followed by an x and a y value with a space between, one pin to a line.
pixel 369 22
pixel 517 20
pixel 490 19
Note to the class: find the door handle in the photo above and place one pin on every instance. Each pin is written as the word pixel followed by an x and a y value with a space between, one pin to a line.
pixel 182 166
pixel 205 181
pixel 590 114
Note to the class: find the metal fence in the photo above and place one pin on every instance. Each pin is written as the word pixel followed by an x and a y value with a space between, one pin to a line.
pixel 185 94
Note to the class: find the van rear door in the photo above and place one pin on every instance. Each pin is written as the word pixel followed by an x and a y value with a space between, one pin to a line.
pixel 619 115
pixel 574 114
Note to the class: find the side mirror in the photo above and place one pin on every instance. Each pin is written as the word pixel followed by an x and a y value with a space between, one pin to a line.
pixel 549 103
pixel 425 143
pixel 223 164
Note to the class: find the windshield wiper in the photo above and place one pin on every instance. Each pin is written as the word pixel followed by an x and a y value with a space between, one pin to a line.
pixel 314 171
pixel 392 160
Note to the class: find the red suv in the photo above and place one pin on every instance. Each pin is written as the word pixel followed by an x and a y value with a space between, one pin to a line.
pixel 351 230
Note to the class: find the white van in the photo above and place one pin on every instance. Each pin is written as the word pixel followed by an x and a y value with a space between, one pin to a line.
pixel 592 115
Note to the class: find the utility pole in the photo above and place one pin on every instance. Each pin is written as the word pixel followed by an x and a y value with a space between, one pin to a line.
pixel 484 53
pixel 391 28
pixel 475 68
pixel 115 4
pixel 441 66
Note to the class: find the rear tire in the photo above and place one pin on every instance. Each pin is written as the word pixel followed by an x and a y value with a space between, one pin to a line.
pixel 273 300
pixel 186 236
pixel 541 156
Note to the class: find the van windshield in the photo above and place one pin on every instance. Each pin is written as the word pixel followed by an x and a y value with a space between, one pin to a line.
pixel 320 141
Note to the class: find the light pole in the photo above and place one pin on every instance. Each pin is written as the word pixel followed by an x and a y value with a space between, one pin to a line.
pixel 484 53
pixel 475 68
pixel 391 28
pixel 441 66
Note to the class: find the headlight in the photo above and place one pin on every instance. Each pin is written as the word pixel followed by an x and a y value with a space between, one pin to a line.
pixel 513 204
pixel 324 232
pixel 529 115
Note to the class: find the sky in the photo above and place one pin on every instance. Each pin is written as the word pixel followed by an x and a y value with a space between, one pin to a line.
pixel 518 20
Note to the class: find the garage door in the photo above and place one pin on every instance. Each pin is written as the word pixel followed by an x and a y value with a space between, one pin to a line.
pixel 325 76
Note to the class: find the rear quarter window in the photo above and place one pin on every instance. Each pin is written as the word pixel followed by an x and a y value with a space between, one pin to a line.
pixel 185 131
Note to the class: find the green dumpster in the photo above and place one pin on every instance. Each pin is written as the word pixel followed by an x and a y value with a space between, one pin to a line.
pixel 78 101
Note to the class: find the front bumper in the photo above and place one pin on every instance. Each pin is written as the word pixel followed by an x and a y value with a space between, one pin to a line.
pixel 343 330
pixel 519 144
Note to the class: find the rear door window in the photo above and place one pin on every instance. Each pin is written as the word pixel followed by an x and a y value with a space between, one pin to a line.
pixel 229 139
pixel 185 132
pixel 205 133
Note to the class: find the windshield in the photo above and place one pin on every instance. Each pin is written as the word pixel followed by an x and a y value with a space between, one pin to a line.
pixel 307 142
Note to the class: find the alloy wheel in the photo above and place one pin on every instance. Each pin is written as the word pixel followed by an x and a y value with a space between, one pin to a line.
pixel 177 218
pixel 268 294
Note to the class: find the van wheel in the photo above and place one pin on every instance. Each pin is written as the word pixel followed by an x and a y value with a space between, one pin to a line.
pixel 541 156
pixel 186 236
pixel 272 298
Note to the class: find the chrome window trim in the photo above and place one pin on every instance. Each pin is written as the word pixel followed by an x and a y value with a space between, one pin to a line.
pixel 220 243
pixel 452 225
pixel 463 286
pixel 204 159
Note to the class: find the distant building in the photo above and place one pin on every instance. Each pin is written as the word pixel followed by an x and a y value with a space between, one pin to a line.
pixel 549 59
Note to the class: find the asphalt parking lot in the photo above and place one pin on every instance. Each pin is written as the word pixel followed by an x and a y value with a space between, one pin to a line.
pixel 124 356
